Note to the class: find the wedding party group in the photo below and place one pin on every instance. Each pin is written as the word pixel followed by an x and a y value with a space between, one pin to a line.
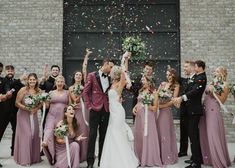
pixel 73 117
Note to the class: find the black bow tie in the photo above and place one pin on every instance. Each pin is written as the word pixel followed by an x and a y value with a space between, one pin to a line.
pixel 104 75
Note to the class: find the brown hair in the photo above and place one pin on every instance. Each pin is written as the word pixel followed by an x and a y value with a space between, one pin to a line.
pixel 7 67
pixel 192 63
pixel 175 78
pixel 37 85
pixel 74 123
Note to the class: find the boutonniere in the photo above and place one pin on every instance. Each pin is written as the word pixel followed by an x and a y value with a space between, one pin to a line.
pixel 191 80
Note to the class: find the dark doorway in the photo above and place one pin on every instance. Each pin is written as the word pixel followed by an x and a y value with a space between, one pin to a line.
pixel 102 24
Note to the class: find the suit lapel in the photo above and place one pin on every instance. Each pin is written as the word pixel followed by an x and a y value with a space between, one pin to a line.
pixel 98 80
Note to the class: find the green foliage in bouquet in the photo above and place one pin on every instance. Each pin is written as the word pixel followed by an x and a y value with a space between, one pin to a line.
pixel 61 130
pixel 135 46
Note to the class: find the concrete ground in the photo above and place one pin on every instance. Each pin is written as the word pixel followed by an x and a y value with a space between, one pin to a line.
pixel 7 161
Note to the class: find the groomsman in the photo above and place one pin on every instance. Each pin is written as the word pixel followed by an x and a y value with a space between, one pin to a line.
pixel 9 109
pixel 184 82
pixel 193 103
pixel 137 84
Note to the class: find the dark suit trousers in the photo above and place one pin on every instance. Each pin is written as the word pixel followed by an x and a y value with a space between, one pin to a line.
pixel 4 121
pixel 193 132
pixel 183 132
pixel 98 120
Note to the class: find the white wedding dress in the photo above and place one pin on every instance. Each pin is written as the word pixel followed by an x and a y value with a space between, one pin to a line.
pixel 117 151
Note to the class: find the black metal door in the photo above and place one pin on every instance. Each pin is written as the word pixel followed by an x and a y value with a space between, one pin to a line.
pixel 102 24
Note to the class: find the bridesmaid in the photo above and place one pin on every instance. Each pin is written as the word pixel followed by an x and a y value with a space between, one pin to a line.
pixel 75 92
pixel 212 132
pixel 146 147
pixel 165 124
pixel 59 100
pixel 60 147
pixel 27 141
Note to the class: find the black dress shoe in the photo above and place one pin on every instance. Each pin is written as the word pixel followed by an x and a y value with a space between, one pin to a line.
pixel 188 161
pixel 42 153
pixel 193 165
pixel 181 154
pixel 0 165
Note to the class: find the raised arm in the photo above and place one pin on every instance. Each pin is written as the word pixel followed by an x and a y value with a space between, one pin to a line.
pixel 84 65
pixel 121 84
pixel 86 91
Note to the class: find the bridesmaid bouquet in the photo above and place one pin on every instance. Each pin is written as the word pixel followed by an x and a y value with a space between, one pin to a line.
pixel 218 85
pixel 135 46
pixel 147 98
pixel 31 102
pixel 164 95
pixel 43 97
pixel 77 90
pixel 61 130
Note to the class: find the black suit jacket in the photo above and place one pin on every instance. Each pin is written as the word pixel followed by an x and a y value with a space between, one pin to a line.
pixel 135 87
pixel 183 88
pixel 48 85
pixel 8 84
pixel 194 93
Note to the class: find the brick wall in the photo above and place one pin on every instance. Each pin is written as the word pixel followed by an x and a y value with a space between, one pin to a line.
pixel 208 33
pixel 31 33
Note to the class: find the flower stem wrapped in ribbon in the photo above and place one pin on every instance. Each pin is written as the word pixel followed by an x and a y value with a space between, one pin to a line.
pixel 43 98
pixel 147 99
pixel 30 103
pixel 135 46
pixel 61 131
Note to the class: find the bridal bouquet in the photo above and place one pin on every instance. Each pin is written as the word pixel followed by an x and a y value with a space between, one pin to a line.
pixel 77 90
pixel 218 85
pixel 135 46
pixel 147 98
pixel 43 97
pixel 232 89
pixel 31 102
pixel 164 95
pixel 61 130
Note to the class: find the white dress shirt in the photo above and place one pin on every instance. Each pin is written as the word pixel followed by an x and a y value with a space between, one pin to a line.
pixel 184 97
pixel 104 81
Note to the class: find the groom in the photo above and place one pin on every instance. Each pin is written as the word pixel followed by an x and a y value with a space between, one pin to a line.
pixel 96 101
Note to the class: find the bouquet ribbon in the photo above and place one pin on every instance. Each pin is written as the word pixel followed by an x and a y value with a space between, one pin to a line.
pixel 31 124
pixel 83 112
pixel 43 117
pixel 223 107
pixel 67 151
pixel 145 119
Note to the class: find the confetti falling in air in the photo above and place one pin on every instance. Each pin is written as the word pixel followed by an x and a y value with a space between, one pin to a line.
pixel 150 30
pixel 87 24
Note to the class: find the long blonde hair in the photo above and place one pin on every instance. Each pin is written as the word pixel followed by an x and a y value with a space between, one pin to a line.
pixel 223 73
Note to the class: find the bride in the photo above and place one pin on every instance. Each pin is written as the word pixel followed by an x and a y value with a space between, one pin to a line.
pixel 117 151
